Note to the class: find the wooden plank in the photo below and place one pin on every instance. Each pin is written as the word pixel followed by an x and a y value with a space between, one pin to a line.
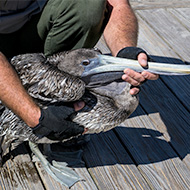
pixel 110 165
pixel 154 4
pixel 20 173
pixel 171 30
pixel 104 167
pixel 170 172
pixel 165 168
pixel 170 109
pixel 155 45
pixel 156 159
pixel 152 42
pixel 183 15
pixel 101 45
pixel 50 183
pixel 173 115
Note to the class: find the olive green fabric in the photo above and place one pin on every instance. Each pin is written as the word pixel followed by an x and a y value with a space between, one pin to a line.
pixel 74 24
pixel 62 25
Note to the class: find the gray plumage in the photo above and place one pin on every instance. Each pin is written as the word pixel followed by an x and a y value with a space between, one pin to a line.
pixel 57 79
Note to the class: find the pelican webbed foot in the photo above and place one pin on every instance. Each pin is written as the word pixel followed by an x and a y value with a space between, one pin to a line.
pixel 58 170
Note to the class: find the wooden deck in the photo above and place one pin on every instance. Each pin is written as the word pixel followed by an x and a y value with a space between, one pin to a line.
pixel 151 150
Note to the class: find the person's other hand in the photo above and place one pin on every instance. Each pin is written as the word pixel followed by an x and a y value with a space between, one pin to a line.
pixel 79 105
pixel 54 122
pixel 133 77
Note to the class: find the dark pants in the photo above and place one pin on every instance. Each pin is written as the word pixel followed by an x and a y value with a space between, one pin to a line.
pixel 62 25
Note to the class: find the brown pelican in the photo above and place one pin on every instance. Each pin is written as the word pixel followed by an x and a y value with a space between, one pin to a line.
pixel 58 79
pixel 69 76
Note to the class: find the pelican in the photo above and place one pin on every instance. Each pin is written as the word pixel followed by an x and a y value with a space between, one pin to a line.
pixel 82 74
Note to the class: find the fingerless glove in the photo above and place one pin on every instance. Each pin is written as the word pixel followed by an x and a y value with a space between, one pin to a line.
pixel 54 123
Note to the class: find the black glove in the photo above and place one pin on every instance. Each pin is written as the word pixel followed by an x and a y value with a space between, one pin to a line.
pixel 55 125
pixel 130 52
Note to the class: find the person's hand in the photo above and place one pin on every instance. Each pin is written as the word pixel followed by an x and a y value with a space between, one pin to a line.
pixel 79 105
pixel 132 77
pixel 54 122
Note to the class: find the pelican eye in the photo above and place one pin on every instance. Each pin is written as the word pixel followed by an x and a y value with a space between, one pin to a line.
pixel 85 62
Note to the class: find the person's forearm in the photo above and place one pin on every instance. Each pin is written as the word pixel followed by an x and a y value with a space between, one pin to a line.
pixel 14 96
pixel 122 28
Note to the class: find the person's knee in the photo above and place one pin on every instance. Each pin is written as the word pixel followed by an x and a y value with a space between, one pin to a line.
pixel 91 22
pixel 86 13
pixel 74 24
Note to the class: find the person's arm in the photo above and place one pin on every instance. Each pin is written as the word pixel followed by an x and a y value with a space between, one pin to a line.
pixel 14 96
pixel 43 121
pixel 122 31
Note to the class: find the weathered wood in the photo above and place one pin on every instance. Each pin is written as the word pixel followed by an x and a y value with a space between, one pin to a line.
pixel 110 165
pixel 101 45
pixel 156 159
pixel 154 44
pixel 163 101
pixel 171 30
pixel 161 164
pixel 183 15
pixel 172 113
pixel 50 183
pixel 154 4
pixel 19 172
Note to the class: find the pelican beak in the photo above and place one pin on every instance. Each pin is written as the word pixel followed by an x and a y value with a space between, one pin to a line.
pixel 108 68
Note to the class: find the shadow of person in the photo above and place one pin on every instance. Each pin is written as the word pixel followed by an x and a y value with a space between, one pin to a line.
pixel 169 96
pixel 127 145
